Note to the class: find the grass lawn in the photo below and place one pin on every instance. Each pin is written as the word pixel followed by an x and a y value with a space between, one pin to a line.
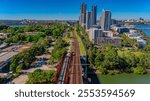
pixel 137 53
pixel 82 49
pixel 66 39
pixel 69 41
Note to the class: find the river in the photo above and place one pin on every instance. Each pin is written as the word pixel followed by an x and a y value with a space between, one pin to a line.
pixel 127 78
pixel 18 25
pixel 144 26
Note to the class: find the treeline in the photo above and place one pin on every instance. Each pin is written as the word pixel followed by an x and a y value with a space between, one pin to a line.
pixel 128 42
pixel 147 47
pixel 47 28
pixel 40 77
pixel 107 60
pixel 18 34
pixel 24 59
pixel 57 29
pixel 58 51
pixel 22 38
pixel 84 36
pixel 2 26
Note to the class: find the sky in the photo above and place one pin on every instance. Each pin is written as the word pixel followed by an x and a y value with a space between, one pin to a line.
pixel 70 9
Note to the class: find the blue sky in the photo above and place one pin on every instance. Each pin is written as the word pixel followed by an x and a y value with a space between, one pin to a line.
pixel 70 9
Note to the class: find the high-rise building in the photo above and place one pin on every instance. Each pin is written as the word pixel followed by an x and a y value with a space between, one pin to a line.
pixel 114 22
pixel 83 14
pixel 105 20
pixel 83 20
pixel 83 8
pixel 94 15
pixel 94 34
pixel 88 20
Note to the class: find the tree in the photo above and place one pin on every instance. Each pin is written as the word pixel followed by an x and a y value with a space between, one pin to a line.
pixel 133 42
pixel 3 27
pixel 19 68
pixel 99 59
pixel 68 35
pixel 58 51
pixel 41 77
pixel 144 61
pixel 111 58
pixel 131 59
pixel 103 70
pixel 13 67
pixel 92 55
pixel 25 58
pixel 29 38
pixel 28 29
pixel 57 32
pixel 139 70
pixel 127 41
pixel 147 47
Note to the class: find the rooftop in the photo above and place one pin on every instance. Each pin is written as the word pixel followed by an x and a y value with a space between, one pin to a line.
pixel 6 56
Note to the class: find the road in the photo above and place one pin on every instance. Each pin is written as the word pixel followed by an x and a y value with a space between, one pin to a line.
pixel 7 53
pixel 76 69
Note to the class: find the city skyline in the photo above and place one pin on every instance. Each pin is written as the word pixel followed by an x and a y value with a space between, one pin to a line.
pixel 69 9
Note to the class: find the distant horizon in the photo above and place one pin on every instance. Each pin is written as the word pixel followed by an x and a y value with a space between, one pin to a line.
pixel 62 19
pixel 70 9
pixel 69 19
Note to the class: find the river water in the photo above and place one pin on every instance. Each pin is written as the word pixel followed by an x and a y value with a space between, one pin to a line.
pixel 144 26
pixel 127 78
pixel 17 25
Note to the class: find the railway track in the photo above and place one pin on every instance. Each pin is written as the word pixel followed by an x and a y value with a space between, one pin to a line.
pixel 76 73
pixel 61 78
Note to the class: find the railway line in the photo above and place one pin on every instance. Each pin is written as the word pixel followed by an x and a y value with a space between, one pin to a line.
pixel 69 70
pixel 76 70
pixel 61 79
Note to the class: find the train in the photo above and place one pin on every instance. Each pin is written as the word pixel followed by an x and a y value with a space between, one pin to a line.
pixel 61 79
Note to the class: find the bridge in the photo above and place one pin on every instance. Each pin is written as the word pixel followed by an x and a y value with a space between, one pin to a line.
pixel 143 28
pixel 5 58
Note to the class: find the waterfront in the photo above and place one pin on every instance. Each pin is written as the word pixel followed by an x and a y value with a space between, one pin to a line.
pixel 125 79
pixel 144 26
pixel 18 25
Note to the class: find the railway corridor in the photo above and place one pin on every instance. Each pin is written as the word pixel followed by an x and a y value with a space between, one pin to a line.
pixel 61 79
pixel 76 69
